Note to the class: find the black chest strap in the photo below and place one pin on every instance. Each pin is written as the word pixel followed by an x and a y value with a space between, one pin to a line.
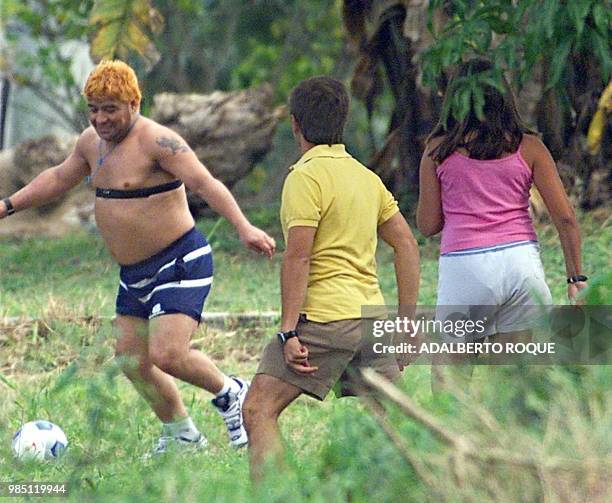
pixel 131 194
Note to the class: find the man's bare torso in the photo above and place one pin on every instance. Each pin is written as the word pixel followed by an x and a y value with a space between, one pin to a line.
pixel 135 229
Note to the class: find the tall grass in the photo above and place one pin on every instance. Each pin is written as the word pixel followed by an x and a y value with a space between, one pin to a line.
pixel 56 363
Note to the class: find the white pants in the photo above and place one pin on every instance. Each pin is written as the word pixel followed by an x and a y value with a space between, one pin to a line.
pixel 502 285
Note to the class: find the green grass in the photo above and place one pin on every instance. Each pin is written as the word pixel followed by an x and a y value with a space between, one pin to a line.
pixel 77 272
pixel 61 368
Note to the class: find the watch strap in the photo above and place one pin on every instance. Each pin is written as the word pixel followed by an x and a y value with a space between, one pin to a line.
pixel 576 278
pixel 283 337
pixel 9 206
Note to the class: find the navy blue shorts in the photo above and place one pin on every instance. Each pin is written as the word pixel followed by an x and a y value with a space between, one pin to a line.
pixel 175 280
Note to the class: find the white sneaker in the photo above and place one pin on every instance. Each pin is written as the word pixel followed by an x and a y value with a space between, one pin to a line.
pixel 178 444
pixel 230 408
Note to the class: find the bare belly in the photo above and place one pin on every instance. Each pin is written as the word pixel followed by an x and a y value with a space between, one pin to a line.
pixel 135 229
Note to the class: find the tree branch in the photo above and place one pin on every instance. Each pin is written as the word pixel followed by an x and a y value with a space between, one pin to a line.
pixel 465 447
pixel 390 391
pixel 380 415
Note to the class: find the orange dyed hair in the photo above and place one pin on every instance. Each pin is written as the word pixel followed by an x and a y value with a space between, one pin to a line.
pixel 112 79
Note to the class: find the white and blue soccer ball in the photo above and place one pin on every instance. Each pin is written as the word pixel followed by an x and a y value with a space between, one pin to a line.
pixel 39 441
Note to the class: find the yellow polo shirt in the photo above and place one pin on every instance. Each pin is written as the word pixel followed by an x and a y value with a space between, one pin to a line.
pixel 346 202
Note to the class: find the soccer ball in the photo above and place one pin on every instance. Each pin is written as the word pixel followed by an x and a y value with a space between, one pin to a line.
pixel 39 440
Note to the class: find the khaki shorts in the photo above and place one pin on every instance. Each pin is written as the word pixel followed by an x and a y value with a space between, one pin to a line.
pixel 339 348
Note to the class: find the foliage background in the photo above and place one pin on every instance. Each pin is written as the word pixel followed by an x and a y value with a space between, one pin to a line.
pixel 557 55
pixel 61 368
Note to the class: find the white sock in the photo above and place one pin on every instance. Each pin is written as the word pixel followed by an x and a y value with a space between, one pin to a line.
pixel 181 428
pixel 228 385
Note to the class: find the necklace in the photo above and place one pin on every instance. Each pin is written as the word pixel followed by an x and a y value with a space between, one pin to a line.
pixel 102 157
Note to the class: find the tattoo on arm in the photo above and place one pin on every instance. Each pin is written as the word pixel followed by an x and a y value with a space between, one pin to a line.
pixel 172 144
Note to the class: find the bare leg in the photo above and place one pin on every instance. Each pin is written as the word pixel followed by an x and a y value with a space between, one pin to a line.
pixel 155 386
pixel 268 396
pixel 169 337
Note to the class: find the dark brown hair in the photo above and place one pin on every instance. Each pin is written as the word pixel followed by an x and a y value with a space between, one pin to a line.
pixel 500 131
pixel 320 107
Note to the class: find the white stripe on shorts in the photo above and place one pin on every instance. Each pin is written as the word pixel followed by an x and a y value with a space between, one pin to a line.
pixel 185 283
pixel 485 249
pixel 192 255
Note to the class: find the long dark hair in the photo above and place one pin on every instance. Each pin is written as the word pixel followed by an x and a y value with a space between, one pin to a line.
pixel 499 132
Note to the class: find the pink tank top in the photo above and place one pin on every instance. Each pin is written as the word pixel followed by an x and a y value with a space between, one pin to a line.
pixel 484 202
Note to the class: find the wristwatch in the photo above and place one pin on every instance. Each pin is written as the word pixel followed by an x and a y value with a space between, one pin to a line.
pixel 575 279
pixel 9 206
pixel 285 336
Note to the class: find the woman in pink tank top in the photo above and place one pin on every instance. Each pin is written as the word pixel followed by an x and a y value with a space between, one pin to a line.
pixel 475 177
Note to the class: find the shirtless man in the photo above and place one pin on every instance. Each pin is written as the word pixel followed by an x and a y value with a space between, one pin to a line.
pixel 138 168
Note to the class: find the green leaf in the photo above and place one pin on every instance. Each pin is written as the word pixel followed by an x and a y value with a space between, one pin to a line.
pixel 517 12
pixel 479 102
pixel 461 7
pixel 462 106
pixel 547 14
pixel 601 17
pixel 483 36
pixel 125 26
pixel 578 11
pixel 558 63
pixel 532 48
pixel 493 82
pixel 431 9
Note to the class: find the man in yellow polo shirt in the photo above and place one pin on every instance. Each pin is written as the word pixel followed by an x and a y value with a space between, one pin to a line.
pixel 332 210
